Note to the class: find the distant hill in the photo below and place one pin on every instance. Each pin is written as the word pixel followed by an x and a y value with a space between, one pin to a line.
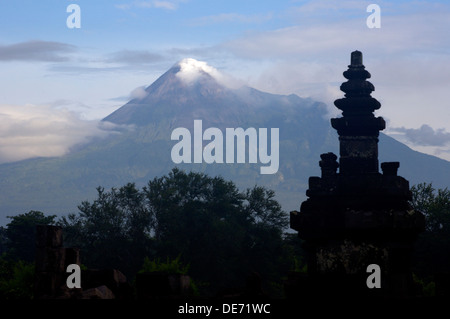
pixel 141 150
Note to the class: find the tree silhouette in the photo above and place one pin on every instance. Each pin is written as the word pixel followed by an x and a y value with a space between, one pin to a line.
pixel 21 233
pixel 223 234
pixel 432 254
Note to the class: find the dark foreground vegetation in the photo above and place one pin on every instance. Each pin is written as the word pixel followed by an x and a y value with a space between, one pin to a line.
pixel 203 226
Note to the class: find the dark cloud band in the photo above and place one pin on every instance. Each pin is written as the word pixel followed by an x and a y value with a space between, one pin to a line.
pixel 46 51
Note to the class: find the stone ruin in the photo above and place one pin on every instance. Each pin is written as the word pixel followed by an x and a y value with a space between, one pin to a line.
pixel 51 262
pixel 356 216
pixel 52 259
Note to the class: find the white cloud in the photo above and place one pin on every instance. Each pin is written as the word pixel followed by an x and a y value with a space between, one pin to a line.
pixel 231 18
pixel 320 7
pixel 424 145
pixel 138 93
pixel 398 35
pixel 407 58
pixel 191 70
pixel 168 5
pixel 165 4
pixel 42 131
pixel 425 135
pixel 123 6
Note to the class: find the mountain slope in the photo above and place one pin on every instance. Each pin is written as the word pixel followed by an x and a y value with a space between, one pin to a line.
pixel 142 150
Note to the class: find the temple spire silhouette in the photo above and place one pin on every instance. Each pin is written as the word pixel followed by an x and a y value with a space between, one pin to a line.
pixel 356 216
pixel 358 128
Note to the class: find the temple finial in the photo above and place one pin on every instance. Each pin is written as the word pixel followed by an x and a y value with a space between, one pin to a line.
pixel 356 58
pixel 358 125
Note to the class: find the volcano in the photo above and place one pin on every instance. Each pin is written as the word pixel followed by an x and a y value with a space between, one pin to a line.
pixel 141 149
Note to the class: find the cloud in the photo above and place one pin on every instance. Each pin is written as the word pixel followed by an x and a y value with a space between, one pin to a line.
pixel 231 18
pixel 168 5
pixel 191 70
pixel 122 6
pixel 165 4
pixel 320 39
pixel 407 57
pixel 43 131
pixel 320 28
pixel 324 6
pixel 77 69
pixel 134 57
pixel 425 135
pixel 118 61
pixel 138 93
pixel 45 51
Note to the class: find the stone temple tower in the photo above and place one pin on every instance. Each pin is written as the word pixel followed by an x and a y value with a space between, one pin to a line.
pixel 356 216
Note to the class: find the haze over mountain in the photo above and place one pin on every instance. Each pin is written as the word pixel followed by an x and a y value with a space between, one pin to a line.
pixel 140 148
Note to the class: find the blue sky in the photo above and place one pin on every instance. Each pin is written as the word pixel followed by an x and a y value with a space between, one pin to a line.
pixel 56 82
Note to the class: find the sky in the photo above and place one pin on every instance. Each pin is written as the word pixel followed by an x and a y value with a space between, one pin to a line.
pixel 57 82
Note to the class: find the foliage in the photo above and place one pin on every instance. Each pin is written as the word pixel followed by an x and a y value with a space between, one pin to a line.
pixel 3 240
pixel 18 241
pixel 435 206
pixel 16 279
pixel 113 231
pixel 173 266
pixel 21 233
pixel 294 253
pixel 432 253
pixel 428 288
pixel 222 233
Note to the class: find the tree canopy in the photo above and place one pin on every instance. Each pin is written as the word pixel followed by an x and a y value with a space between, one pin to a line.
pixel 21 233
pixel 223 234
pixel 432 253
